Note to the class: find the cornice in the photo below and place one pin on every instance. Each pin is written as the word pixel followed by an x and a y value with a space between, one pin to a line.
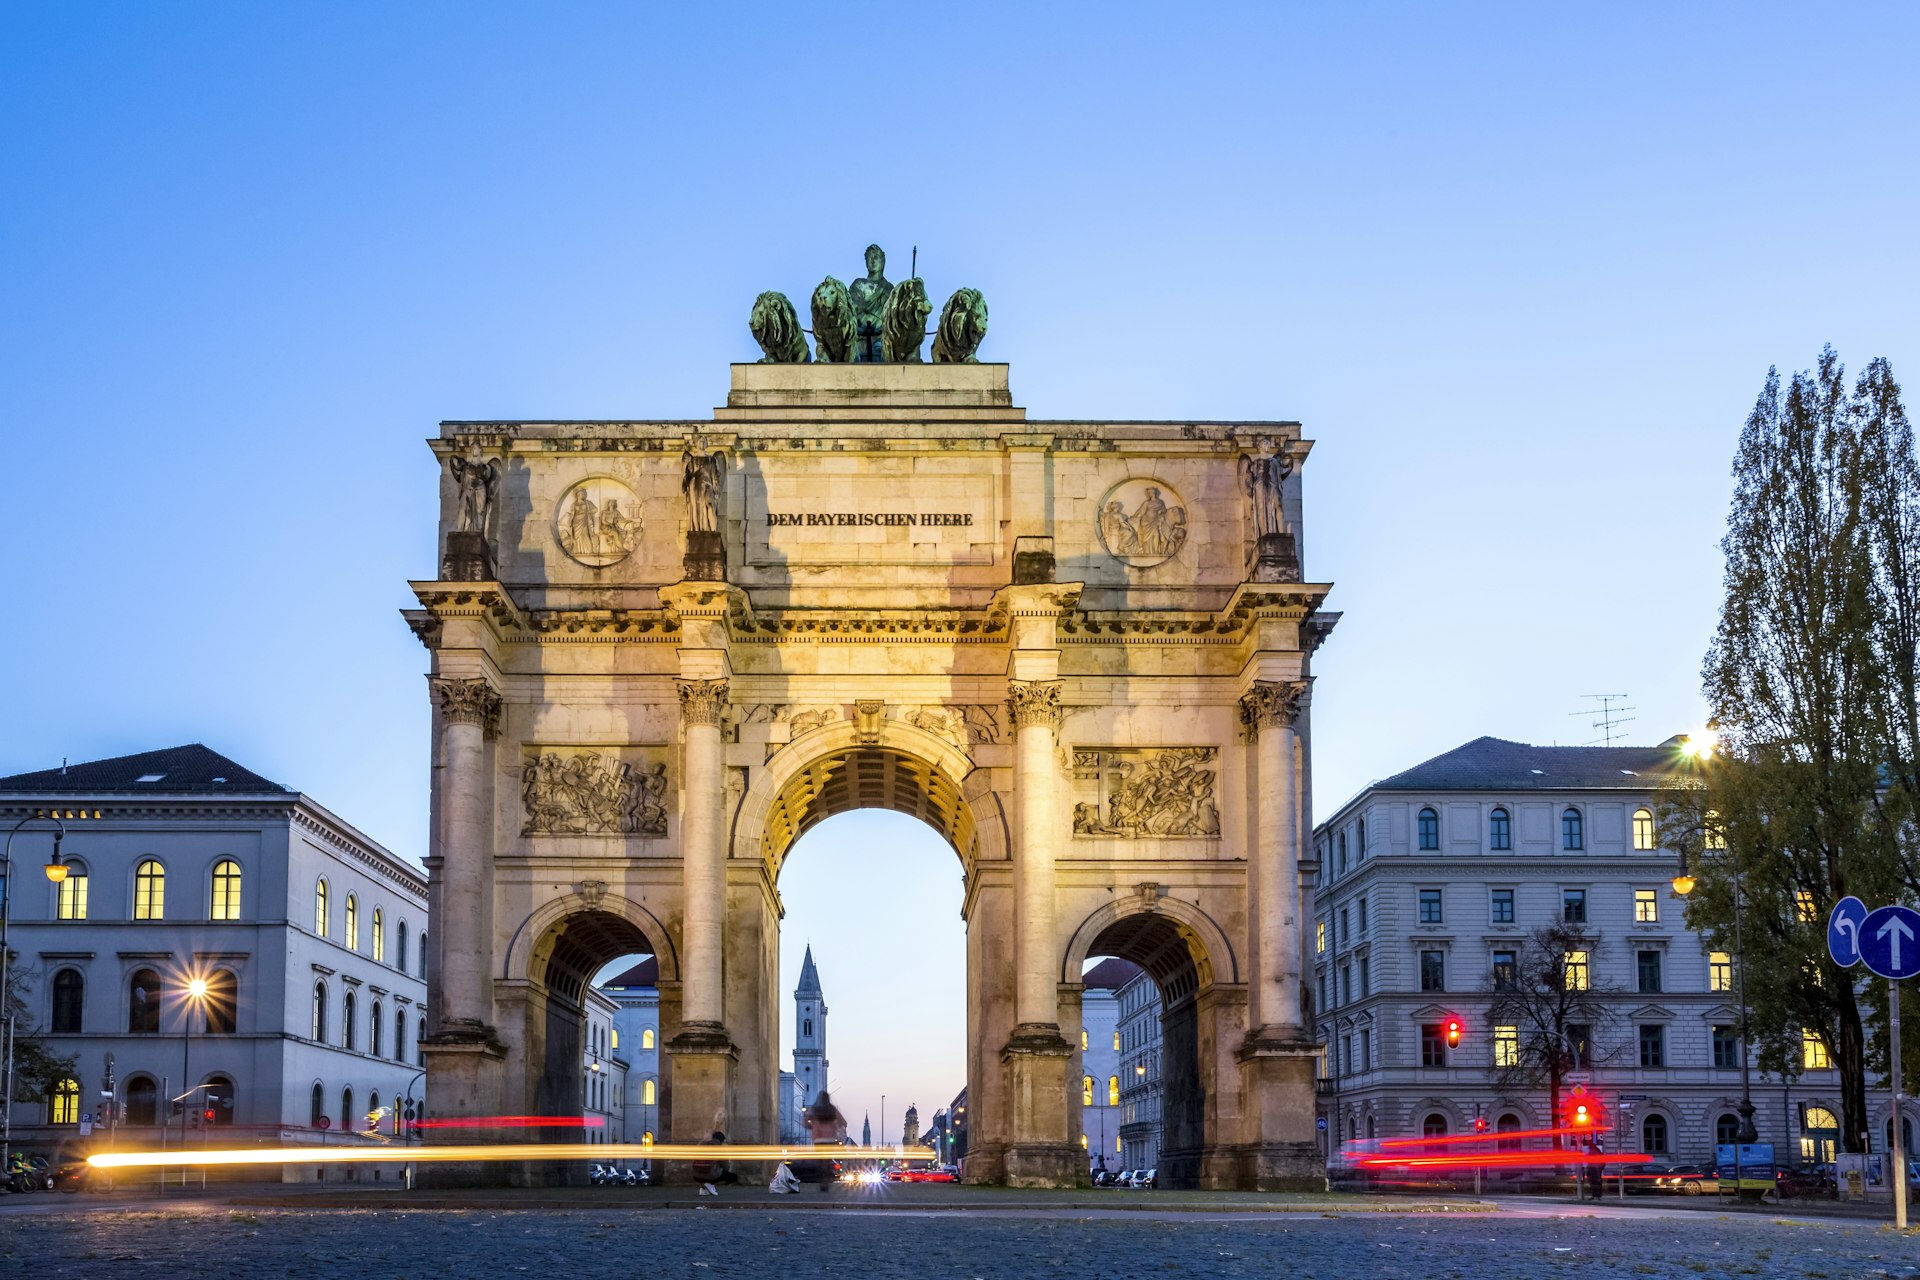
pixel 488 600
pixel 343 843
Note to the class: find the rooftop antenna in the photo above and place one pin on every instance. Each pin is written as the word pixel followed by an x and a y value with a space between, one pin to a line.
pixel 914 269
pixel 1608 718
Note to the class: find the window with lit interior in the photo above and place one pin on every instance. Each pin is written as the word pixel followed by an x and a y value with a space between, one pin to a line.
pixel 1642 830
pixel 225 901
pixel 71 901
pixel 149 890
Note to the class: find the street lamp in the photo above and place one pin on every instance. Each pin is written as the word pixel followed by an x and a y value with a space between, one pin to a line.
pixel 56 872
pixel 194 996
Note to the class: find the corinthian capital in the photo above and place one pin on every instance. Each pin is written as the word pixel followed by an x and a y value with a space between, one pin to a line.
pixel 1274 703
pixel 1034 702
pixel 702 701
pixel 468 702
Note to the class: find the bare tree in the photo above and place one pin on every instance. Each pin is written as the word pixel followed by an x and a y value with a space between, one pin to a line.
pixel 1557 1009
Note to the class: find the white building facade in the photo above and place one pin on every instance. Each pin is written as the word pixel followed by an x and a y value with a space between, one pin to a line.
pixel 1099 1073
pixel 1141 1096
pixel 182 867
pixel 1431 880
pixel 634 1039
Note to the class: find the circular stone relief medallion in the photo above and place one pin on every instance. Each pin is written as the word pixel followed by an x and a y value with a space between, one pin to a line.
pixel 598 522
pixel 1142 522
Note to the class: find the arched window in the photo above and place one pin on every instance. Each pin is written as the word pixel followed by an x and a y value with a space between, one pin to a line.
pixel 379 938
pixel 615 1033
pixel 1570 833
pixel 420 1043
pixel 317 1113
pixel 63 1102
pixel 400 947
pixel 143 1100
pixel 1906 1133
pixel 1643 834
pixel 143 1003
pixel 72 901
pixel 69 999
pixel 219 1095
pixel 319 1031
pixel 320 907
pixel 646 1038
pixel 1086 1091
pixel 1819 1135
pixel 1340 843
pixel 348 1036
pixel 1362 828
pixel 372 1118
pixel 423 955
pixel 346 1107
pixel 1507 1123
pixel 149 890
pixel 1429 831
pixel 1726 1130
pixel 647 1093
pixel 1653 1134
pixel 353 923
pixel 399 1035
pixel 1434 1126
pixel 373 1031
pixel 221 1003
pixel 1113 1091
pixel 1500 831
pixel 225 902
pixel 806 1028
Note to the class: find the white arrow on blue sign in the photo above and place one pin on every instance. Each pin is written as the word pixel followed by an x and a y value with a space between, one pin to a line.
pixel 1843 931
pixel 1890 942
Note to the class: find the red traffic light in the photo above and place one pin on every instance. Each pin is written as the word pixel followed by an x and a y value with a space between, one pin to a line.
pixel 1479 1124
pixel 208 1115
pixel 1454 1030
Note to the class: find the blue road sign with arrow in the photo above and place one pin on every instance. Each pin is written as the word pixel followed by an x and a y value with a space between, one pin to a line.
pixel 1890 942
pixel 1843 931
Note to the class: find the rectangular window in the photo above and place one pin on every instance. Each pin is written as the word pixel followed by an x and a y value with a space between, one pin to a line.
pixel 1430 906
pixel 1083 1039
pixel 1726 1049
pixel 1573 906
pixel 1366 977
pixel 1320 937
pixel 1362 904
pixel 73 897
pixel 1653 1045
pixel 1346 984
pixel 1433 1045
pixel 1366 1049
pixel 1813 1051
pixel 1346 934
pixel 1346 1055
pixel 1804 906
pixel 1648 969
pixel 1506 970
pixel 1719 971
pixel 1646 906
pixel 1506 1046
pixel 1574 965
pixel 1433 971
pixel 1116 1040
pixel 1580 1035
pixel 1502 912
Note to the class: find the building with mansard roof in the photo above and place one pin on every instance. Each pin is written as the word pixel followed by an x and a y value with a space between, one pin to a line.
pixel 183 866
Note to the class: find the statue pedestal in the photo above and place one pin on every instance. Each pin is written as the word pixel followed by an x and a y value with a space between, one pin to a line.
pixel 1275 559
pixel 468 559
pixel 701 1061
pixel 706 559
pixel 1280 1152
pixel 1032 561
pixel 1036 1061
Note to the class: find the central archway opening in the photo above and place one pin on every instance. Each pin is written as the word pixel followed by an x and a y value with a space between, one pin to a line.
pixel 871 1005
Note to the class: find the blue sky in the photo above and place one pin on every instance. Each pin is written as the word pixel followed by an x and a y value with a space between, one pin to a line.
pixel 1519 269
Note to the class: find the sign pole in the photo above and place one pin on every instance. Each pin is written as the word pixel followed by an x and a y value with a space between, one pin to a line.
pixel 1899 1155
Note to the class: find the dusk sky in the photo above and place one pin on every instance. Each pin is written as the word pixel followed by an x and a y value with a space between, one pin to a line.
pixel 1520 271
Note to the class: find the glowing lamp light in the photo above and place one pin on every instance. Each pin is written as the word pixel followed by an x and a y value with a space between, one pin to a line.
pixel 197 988
pixel 1683 884
pixel 56 870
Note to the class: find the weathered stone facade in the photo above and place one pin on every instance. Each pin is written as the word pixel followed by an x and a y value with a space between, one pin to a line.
pixel 1058 643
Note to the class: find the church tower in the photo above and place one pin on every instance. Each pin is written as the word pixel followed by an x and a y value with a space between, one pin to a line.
pixel 809 1032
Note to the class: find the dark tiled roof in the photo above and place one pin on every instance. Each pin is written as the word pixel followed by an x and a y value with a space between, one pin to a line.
pixel 192 769
pixel 644 974
pixel 1494 764
pixel 1111 974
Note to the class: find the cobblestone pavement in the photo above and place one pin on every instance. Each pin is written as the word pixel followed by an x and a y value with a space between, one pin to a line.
pixel 215 1240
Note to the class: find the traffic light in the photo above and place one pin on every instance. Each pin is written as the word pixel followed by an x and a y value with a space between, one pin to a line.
pixel 1454 1030
pixel 1479 1124
pixel 206 1117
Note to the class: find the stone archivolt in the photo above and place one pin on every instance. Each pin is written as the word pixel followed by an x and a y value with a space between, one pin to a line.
pixel 586 793
pixel 1146 791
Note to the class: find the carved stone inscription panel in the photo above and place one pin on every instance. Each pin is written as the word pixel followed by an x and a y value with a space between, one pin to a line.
pixel 571 792
pixel 1145 791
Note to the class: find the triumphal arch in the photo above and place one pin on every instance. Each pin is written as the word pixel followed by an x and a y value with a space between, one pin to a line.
pixel 1080 650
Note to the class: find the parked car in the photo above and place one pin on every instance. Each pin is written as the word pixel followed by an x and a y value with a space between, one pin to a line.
pixel 1146 1179
pixel 1645 1179
pixel 1689 1180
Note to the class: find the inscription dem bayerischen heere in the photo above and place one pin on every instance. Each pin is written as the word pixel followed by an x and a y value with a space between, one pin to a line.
pixel 908 519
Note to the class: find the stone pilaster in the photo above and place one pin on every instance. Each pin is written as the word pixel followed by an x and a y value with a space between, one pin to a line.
pixel 462 982
pixel 702 1053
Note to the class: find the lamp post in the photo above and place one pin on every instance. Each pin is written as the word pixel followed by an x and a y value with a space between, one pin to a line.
pixel 192 996
pixel 56 872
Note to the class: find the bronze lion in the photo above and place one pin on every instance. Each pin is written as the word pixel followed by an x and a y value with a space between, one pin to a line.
pixel 903 325
pixel 963 323
pixel 776 327
pixel 832 323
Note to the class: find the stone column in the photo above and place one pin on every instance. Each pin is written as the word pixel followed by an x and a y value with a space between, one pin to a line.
pixel 1280 1151
pixel 469 717
pixel 1268 712
pixel 1035 709
pixel 1042 1152
pixel 702 1055
pixel 703 852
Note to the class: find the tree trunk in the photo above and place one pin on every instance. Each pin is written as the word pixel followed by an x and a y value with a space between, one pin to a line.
pixel 1850 1055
